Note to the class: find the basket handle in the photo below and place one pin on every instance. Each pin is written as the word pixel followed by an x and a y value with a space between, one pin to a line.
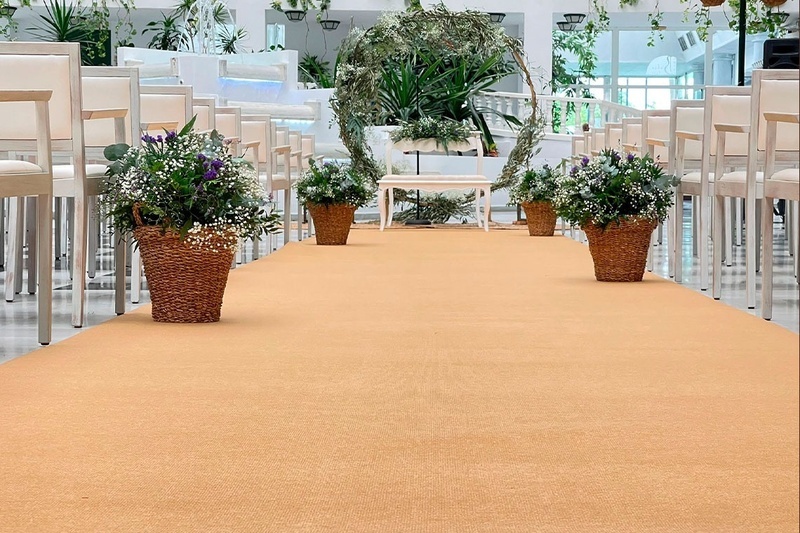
pixel 137 216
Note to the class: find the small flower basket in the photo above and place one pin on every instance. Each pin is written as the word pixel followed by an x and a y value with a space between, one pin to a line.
pixel 188 203
pixel 618 202
pixel 712 3
pixel 332 193
pixel 534 192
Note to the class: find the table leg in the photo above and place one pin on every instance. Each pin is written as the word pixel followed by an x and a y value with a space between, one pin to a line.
pixel 390 207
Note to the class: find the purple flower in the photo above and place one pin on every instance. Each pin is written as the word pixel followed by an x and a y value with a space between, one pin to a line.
pixel 216 164
pixel 210 175
pixel 201 157
pixel 631 157
pixel 148 138
pixel 160 139
pixel 171 136
pixel 574 170
pixel 584 161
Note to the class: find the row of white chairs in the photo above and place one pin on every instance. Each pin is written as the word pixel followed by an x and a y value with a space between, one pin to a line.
pixel 736 151
pixel 56 118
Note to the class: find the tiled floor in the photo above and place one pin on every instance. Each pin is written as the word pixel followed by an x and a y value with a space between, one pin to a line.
pixel 18 319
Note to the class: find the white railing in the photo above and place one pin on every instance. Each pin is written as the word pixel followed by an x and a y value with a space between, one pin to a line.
pixel 559 111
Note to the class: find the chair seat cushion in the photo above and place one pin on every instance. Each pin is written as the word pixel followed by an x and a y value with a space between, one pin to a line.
pixel 68 171
pixel 13 166
pixel 741 176
pixel 694 177
pixel 789 174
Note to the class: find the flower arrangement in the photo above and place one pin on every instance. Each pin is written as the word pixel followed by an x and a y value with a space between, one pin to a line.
pixel 331 184
pixel 536 185
pixel 612 187
pixel 444 130
pixel 187 183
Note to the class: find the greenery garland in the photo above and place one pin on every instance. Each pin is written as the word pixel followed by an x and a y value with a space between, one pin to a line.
pixel 399 35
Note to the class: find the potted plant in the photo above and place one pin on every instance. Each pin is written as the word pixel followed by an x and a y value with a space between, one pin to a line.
pixel 188 203
pixel 617 201
pixel 535 192
pixel 431 133
pixel 332 193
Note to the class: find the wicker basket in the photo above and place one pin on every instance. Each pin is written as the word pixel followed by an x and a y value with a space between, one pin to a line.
pixel 712 3
pixel 620 250
pixel 332 222
pixel 186 283
pixel 773 3
pixel 541 218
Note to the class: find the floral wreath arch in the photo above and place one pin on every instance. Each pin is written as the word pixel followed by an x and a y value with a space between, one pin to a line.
pixel 397 36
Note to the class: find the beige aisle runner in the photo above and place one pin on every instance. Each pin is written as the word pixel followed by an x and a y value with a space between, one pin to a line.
pixel 412 381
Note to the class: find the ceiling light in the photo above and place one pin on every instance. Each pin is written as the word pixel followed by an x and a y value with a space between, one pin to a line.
pixel 563 25
pixel 497 18
pixel 295 15
pixel 574 18
pixel 329 25
pixel 7 11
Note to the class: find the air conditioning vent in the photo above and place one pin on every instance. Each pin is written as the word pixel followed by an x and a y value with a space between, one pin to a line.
pixel 682 43
pixel 691 38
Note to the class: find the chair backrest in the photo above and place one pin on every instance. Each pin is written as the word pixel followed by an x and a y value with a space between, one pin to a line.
pixel 688 115
pixel 597 139
pixel 632 133
pixel 259 128
pixel 613 136
pixel 726 105
pixel 228 122
pixel 166 103
pixel 776 91
pixel 655 125
pixel 578 145
pixel 44 66
pixel 110 88
pixel 204 108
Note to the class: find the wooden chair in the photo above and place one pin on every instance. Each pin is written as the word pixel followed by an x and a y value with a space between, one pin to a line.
pixel 19 179
pixel 632 135
pixel 777 183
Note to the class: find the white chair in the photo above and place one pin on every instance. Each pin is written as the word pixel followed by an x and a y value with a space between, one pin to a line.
pixel 163 107
pixel 204 108
pixel 55 67
pixel 654 141
pixel 632 135
pixel 686 134
pixel 613 136
pixel 19 179
pixel 775 93
pixel 781 184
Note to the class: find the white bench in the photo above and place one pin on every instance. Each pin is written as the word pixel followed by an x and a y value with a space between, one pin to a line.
pixel 435 183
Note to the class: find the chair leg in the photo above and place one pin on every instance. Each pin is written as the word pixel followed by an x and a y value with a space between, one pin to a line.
pixel 677 246
pixel 487 209
pixel 57 234
pixel 287 216
pixel 2 232
pixel 739 222
pixel 478 218
pixel 696 216
pixel 45 267
pixel 728 249
pixel 299 220
pixel 136 275
pixel 92 230
pixel 651 251
pixel 79 260
pixel 13 243
pixel 716 244
pixel 750 242
pixel 30 214
pixel 766 271
pixel 19 265
pixel 704 205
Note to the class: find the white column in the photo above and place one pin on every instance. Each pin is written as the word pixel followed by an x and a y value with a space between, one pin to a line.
pixel 723 69
pixel 252 16
pixel 537 40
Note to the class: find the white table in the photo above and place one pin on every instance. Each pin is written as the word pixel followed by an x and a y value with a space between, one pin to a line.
pixel 435 183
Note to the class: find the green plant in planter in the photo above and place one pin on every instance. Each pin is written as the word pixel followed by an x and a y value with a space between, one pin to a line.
pixel 612 187
pixel 167 33
pixel 64 23
pixel 314 70
pixel 333 184
pixel 536 185
pixel 230 39
pixel 444 130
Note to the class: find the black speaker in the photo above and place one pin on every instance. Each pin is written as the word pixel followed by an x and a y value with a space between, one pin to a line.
pixel 782 53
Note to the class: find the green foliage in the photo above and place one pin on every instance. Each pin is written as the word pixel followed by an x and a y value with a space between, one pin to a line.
pixel 333 184
pixel 186 181
pixel 167 32
pixel 303 5
pixel 230 39
pixel 455 36
pixel 438 208
pixel 313 70
pixel 760 18
pixel 64 23
pixel 444 130
pixel 536 185
pixel 611 187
